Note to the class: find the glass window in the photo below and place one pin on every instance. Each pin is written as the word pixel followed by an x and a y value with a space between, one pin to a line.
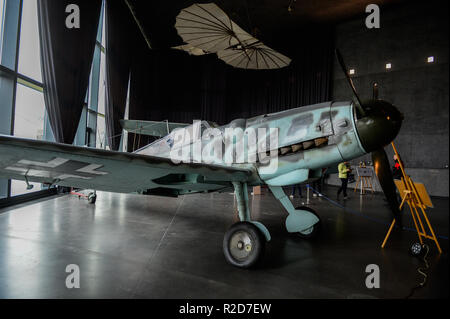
pixel 2 9
pixel 29 113
pixel 102 85
pixel 101 129
pixel 6 96
pixel 20 187
pixel 28 123
pixel 103 27
pixel 101 132
pixel 29 49
pixel 126 117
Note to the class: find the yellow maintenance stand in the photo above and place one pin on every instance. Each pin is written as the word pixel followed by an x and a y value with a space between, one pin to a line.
pixel 418 200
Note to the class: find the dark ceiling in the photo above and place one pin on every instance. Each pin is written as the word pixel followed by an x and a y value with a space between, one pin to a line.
pixel 265 19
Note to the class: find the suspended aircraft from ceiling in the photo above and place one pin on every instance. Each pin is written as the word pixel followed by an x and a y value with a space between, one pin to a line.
pixel 207 29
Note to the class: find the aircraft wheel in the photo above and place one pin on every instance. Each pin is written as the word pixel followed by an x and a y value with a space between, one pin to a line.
pixel 313 230
pixel 243 245
pixel 92 197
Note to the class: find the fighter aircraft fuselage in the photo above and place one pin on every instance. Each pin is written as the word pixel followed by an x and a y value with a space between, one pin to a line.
pixel 308 139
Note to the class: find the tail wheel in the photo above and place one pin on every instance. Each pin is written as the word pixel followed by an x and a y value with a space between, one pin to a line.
pixel 243 245
pixel 312 231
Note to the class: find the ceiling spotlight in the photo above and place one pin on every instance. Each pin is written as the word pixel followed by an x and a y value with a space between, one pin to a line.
pixel 430 59
pixel 388 66
pixel 351 71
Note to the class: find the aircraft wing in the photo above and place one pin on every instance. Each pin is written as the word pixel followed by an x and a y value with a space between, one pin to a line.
pixel 90 168
pixel 152 128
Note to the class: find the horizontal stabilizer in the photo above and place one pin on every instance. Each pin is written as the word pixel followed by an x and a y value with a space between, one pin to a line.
pixel 152 128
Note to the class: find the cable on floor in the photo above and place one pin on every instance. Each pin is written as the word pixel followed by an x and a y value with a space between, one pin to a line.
pixel 421 271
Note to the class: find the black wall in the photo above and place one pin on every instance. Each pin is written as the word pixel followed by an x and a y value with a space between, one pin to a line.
pixel 408 35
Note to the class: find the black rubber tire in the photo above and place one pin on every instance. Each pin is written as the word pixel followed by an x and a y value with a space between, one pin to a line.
pixel 257 240
pixel 316 228
pixel 92 198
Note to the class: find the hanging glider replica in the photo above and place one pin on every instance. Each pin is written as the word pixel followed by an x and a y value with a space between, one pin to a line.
pixel 206 29
pixel 309 138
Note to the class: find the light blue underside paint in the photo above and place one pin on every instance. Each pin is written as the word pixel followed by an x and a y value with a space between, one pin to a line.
pixel 293 177
pixel 241 192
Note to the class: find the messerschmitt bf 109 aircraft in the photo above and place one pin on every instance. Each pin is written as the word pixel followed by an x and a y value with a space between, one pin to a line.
pixel 307 139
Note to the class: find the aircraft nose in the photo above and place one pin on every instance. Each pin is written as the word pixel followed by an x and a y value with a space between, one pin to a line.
pixel 380 125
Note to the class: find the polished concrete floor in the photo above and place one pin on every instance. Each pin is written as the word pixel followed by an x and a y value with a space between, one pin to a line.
pixel 131 246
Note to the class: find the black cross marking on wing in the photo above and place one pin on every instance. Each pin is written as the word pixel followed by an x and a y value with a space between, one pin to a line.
pixel 58 168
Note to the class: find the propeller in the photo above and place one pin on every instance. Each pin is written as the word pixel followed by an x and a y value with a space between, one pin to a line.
pixel 388 117
pixel 359 104
pixel 384 174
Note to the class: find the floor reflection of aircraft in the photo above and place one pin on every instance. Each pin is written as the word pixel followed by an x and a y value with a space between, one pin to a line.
pixel 309 138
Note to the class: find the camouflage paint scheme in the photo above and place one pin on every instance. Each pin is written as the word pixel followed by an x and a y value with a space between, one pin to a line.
pixel 150 170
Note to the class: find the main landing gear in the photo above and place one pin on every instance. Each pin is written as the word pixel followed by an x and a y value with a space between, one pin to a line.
pixel 244 242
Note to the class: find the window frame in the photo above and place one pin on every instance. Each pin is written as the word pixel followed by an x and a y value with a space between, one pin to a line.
pixel 13 10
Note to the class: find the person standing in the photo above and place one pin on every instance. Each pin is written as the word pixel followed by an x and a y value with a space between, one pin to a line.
pixel 396 170
pixel 397 174
pixel 343 170
pixel 317 186
pixel 299 190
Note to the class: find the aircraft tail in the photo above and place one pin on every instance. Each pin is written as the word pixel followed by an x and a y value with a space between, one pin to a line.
pixel 152 128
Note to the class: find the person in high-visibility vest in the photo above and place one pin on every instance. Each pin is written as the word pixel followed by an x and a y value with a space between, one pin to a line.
pixel 343 169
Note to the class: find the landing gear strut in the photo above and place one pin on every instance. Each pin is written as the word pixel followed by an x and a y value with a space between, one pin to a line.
pixel 244 242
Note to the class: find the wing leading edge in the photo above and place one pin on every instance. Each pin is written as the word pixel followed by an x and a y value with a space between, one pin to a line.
pixel 90 168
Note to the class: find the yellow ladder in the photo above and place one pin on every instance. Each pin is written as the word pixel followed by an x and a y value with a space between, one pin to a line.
pixel 418 201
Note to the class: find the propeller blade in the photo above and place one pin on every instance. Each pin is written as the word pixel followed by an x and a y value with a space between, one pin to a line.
pixel 384 174
pixel 350 82
pixel 375 91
